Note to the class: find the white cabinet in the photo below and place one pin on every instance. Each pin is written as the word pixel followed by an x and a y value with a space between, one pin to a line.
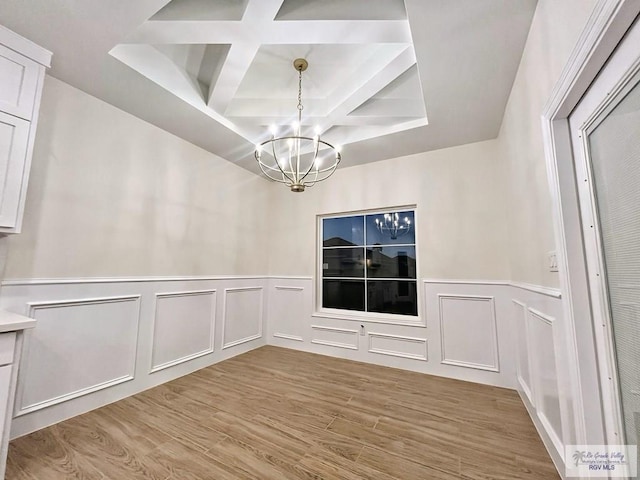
pixel 12 327
pixel 22 68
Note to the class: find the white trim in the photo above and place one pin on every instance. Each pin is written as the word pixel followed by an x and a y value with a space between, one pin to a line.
pixel 224 316
pixel 366 316
pixel 605 28
pixel 289 277
pixel 550 430
pixel 25 47
pixel 465 282
pixel 336 344
pixel 156 368
pixel 369 211
pixel 383 319
pixel 241 341
pixel 31 309
pixel 556 457
pixel 542 316
pixel 526 387
pixel 616 79
pixel 285 287
pixel 286 336
pixel 178 361
pixel 548 291
pixel 186 293
pixel 395 353
pixel 32 306
pixel 553 435
pixel 494 327
pixel 71 395
pixel 73 280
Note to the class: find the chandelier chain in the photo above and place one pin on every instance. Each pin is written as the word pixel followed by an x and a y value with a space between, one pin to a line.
pixel 300 107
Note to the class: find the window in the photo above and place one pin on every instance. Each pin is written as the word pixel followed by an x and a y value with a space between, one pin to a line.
pixel 368 263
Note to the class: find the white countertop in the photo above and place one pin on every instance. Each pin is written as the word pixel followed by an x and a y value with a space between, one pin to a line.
pixel 10 322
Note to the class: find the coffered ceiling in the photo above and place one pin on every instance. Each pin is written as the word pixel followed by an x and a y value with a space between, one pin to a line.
pixel 386 77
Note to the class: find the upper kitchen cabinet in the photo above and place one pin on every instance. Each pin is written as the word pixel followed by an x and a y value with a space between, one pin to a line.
pixel 22 69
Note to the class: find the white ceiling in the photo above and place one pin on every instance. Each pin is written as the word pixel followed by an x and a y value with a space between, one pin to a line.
pixel 386 78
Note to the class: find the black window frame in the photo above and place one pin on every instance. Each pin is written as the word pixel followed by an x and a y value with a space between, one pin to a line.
pixel 413 318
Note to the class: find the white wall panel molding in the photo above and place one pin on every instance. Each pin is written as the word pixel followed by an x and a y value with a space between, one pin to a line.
pixel 289 304
pixel 468 331
pixel 56 367
pixel 239 308
pixel 120 280
pixel 368 318
pixel 111 354
pixel 552 433
pixel 183 327
pixel 288 337
pixel 465 282
pixel 523 364
pixel 543 317
pixel 398 346
pixel 545 374
pixel 242 317
pixel 551 292
pixel 293 277
pixel 335 337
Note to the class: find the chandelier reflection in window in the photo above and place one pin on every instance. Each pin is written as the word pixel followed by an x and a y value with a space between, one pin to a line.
pixel 391 224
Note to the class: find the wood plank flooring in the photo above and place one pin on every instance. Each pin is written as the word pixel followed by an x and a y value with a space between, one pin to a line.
pixel 279 414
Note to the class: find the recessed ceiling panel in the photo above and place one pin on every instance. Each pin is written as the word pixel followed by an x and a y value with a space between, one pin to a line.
pixel 234 61
pixel 202 10
pixel 342 10
pixel 272 75
pixel 402 99
pixel 191 66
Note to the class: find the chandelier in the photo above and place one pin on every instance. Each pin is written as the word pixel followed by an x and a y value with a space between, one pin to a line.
pixel 297 160
pixel 392 225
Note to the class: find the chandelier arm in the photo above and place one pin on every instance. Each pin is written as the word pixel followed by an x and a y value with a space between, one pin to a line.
pixel 311 164
pixel 275 158
pixel 269 174
pixel 269 170
pixel 332 168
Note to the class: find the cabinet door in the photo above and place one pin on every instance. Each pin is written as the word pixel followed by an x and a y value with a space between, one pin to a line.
pixel 18 83
pixel 5 415
pixel 14 134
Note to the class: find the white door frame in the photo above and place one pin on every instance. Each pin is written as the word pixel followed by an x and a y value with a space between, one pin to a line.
pixel 605 29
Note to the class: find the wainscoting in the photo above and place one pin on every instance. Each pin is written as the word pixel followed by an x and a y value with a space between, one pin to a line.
pixel 542 370
pixel 98 341
pixel 461 332
pixel 496 333
pixel 132 334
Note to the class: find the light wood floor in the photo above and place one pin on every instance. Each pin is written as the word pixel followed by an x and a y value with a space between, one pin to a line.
pixel 280 414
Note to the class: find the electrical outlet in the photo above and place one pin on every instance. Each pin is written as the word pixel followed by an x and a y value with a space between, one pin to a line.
pixel 552 261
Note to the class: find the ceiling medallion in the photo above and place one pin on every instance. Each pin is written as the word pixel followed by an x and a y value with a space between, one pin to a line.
pixel 296 160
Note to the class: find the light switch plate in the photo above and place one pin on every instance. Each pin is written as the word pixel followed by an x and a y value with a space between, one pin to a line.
pixel 552 261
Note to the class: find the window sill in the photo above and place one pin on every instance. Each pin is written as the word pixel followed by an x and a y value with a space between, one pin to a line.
pixel 383 319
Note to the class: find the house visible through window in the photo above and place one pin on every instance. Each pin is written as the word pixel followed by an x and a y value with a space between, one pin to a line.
pixel 368 263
